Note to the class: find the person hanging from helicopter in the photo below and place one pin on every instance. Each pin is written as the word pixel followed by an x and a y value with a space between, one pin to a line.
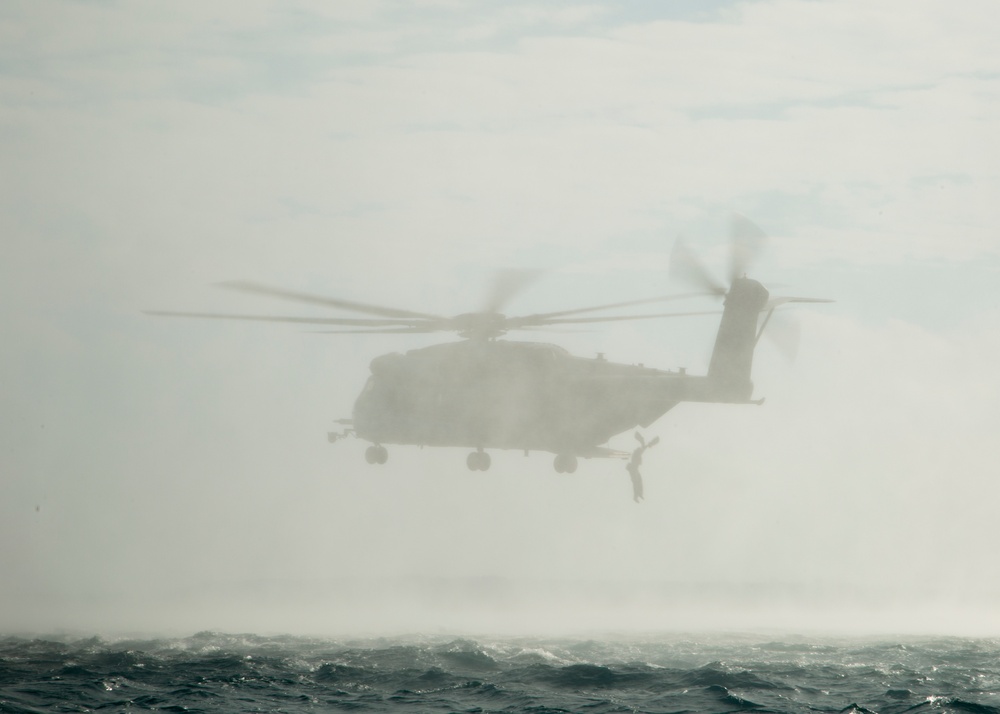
pixel 635 462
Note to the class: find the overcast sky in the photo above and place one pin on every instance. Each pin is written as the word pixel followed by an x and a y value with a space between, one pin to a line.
pixel 397 153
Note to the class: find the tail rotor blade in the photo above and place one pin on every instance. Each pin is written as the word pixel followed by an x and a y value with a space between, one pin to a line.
pixel 784 333
pixel 684 266
pixel 746 241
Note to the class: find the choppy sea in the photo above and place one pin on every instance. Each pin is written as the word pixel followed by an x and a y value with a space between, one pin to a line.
pixel 213 672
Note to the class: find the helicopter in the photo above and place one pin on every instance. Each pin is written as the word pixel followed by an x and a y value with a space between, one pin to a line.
pixel 484 392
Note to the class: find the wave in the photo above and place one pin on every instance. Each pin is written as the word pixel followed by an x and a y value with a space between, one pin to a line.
pixel 223 672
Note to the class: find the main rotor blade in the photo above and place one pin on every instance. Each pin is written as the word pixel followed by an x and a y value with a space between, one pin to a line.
pixel 259 289
pixel 684 266
pixel 776 301
pixel 619 318
pixel 387 331
pixel 538 317
pixel 299 320
pixel 746 241
pixel 506 284
pixel 544 328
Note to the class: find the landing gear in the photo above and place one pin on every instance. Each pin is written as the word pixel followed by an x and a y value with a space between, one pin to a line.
pixel 565 463
pixel 376 454
pixel 478 461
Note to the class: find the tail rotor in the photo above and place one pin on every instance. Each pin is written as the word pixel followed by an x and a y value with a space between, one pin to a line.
pixel 746 300
pixel 746 242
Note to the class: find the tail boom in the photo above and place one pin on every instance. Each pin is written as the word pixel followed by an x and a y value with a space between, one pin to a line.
pixel 732 358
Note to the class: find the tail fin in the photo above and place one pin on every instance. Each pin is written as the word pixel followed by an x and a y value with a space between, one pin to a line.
pixel 732 357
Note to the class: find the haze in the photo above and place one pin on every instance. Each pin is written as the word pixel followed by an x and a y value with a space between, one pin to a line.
pixel 175 475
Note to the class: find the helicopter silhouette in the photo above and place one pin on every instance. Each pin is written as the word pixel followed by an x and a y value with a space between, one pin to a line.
pixel 484 392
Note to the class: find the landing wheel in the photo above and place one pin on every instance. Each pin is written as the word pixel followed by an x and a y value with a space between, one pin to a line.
pixel 375 454
pixel 565 463
pixel 478 461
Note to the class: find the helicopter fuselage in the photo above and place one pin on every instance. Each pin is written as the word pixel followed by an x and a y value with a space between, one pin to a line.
pixel 514 395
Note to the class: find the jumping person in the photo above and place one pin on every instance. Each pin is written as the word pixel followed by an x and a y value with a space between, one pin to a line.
pixel 635 462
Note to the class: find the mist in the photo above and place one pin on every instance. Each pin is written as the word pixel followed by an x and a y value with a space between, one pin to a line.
pixel 175 476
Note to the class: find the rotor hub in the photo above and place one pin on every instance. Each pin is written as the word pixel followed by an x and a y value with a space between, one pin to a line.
pixel 480 325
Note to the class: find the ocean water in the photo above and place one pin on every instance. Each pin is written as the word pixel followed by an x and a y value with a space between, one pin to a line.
pixel 213 672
